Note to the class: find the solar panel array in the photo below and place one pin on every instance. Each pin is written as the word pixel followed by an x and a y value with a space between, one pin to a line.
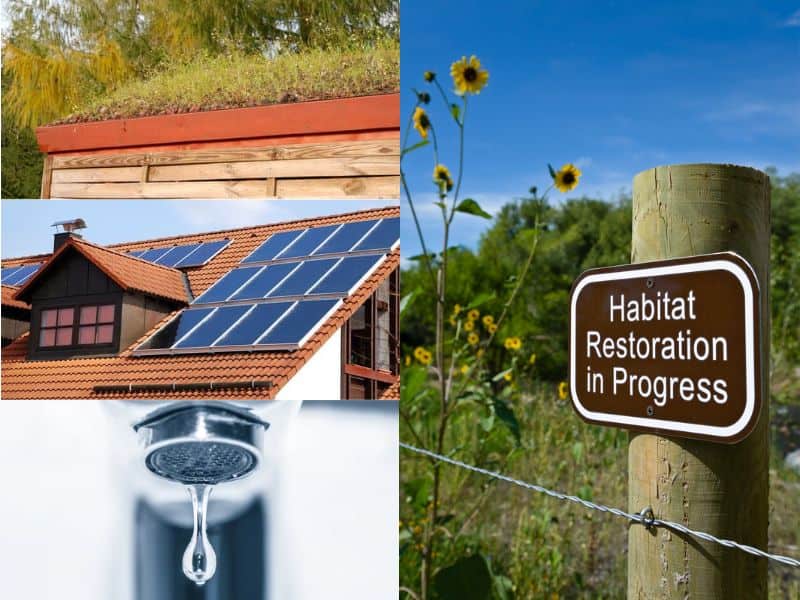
pixel 186 255
pixel 282 292
pixel 18 275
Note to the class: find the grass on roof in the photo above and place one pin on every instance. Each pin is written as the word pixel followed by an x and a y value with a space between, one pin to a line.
pixel 233 81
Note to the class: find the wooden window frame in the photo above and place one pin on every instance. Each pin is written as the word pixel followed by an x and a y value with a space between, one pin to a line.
pixel 372 375
pixel 37 351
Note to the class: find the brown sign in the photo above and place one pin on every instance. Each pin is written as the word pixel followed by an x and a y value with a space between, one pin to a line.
pixel 669 347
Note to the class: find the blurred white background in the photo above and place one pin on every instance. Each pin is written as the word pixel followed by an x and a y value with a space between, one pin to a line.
pixel 70 474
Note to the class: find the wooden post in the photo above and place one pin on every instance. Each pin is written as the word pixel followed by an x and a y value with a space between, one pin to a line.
pixel 678 211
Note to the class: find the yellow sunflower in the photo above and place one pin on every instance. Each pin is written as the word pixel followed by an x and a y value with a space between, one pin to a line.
pixel 408 360
pixel 473 338
pixel 487 320
pixel 469 325
pixel 468 76
pixel 421 122
pixel 473 314
pixel 562 390
pixel 508 376
pixel 492 328
pixel 441 177
pixel 464 369
pixel 512 343
pixel 425 358
pixel 567 177
pixel 457 309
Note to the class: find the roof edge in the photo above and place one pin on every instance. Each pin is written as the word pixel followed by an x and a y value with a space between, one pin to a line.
pixel 361 113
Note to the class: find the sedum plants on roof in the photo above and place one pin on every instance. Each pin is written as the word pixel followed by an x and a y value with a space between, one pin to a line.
pixel 237 80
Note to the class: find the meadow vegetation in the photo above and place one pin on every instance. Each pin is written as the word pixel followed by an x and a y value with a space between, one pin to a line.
pixel 484 339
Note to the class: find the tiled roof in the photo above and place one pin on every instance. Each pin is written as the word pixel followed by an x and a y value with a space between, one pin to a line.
pixel 126 271
pixel 77 377
pixel 392 392
pixel 9 300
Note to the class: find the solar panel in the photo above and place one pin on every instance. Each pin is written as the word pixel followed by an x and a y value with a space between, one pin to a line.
pixel 293 328
pixel 280 294
pixel 19 275
pixel 212 327
pixel 257 322
pixel 186 255
pixel 343 240
pixel 8 272
pixel 383 236
pixel 227 286
pixel 346 274
pixel 303 278
pixel 266 279
pixel 153 254
pixel 359 236
pixel 272 246
pixel 203 254
pixel 177 328
pixel 308 241
pixel 177 254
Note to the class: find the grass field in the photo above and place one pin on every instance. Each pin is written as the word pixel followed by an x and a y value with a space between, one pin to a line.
pixel 552 549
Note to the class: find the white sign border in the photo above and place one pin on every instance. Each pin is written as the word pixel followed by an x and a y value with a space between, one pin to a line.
pixel 750 344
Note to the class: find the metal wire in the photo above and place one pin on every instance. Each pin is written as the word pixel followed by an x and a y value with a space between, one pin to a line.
pixel 645 517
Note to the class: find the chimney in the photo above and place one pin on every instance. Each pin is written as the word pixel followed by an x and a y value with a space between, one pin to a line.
pixel 66 230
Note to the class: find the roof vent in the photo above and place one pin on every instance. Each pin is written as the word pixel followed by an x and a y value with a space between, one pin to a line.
pixel 66 230
pixel 69 226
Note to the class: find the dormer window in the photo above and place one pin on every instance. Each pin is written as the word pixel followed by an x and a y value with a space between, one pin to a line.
pixel 60 328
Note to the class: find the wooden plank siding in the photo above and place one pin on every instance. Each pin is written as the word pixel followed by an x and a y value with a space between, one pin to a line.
pixel 330 149
pixel 360 169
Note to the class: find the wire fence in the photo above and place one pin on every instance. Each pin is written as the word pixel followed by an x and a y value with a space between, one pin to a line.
pixel 645 517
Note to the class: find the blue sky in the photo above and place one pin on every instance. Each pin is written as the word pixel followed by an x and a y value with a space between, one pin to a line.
pixel 26 223
pixel 616 87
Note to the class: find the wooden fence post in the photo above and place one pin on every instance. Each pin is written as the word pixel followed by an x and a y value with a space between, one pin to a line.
pixel 678 211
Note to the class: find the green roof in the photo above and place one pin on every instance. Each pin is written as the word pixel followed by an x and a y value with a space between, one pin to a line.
pixel 234 81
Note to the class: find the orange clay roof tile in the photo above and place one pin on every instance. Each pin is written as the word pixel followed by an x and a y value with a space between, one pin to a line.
pixel 10 301
pixel 126 271
pixel 77 377
pixel 392 392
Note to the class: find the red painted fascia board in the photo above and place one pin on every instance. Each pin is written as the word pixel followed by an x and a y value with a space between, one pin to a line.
pixel 303 118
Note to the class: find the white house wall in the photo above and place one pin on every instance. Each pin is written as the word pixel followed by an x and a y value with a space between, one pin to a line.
pixel 321 377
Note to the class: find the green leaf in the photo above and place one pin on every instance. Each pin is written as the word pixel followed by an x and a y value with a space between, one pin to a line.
pixel 417 146
pixel 552 171
pixel 506 414
pixel 471 207
pixel 405 301
pixel 455 111
pixel 480 299
pixel 503 587
pixel 501 374
pixel 466 579
pixel 577 451
pixel 412 383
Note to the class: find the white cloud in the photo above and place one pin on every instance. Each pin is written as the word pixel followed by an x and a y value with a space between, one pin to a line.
pixel 793 20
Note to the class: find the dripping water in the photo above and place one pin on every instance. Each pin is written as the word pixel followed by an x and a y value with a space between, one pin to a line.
pixel 199 559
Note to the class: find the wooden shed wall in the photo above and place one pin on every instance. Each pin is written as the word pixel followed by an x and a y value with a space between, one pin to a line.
pixel 334 149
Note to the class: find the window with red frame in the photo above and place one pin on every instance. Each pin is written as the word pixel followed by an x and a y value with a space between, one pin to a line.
pixel 94 325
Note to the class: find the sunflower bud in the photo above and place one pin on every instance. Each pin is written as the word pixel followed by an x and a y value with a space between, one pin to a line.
pixel 429 76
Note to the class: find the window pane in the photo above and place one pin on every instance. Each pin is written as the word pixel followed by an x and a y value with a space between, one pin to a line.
pixel 65 316
pixel 47 337
pixel 49 318
pixel 64 336
pixel 105 334
pixel 86 335
pixel 105 313
pixel 88 315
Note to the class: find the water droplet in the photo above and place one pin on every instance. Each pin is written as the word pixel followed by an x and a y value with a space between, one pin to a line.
pixel 199 558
